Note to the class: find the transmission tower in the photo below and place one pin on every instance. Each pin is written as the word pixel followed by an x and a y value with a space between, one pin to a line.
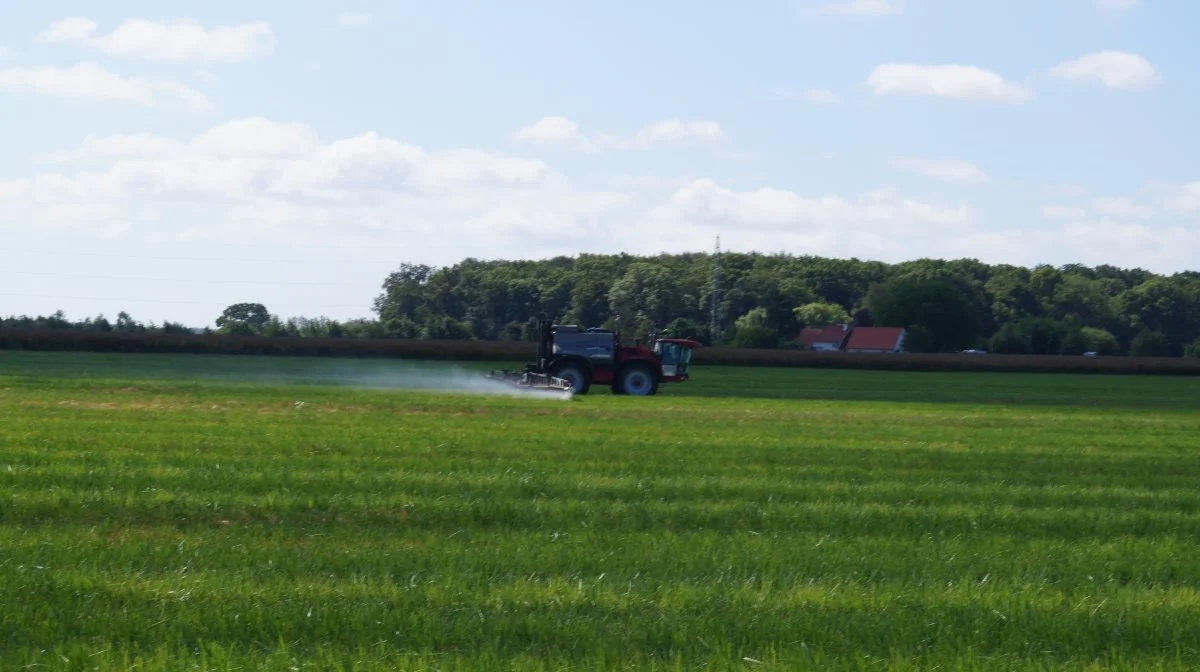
pixel 714 328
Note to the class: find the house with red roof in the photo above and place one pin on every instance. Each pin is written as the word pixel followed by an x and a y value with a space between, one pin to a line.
pixel 807 336
pixel 832 337
pixel 876 339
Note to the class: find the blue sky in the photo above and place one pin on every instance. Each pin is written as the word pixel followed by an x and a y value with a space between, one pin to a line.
pixel 172 163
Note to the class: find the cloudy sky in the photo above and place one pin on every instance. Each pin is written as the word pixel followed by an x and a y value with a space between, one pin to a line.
pixel 170 163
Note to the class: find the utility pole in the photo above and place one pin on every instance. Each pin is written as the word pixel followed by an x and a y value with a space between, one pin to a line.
pixel 714 328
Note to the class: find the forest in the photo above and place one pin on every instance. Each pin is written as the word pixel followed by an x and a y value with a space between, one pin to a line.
pixel 765 300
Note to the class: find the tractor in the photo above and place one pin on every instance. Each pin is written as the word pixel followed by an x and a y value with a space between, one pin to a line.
pixel 571 359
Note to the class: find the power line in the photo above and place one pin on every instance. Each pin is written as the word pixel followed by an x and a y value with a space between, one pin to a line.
pixel 714 318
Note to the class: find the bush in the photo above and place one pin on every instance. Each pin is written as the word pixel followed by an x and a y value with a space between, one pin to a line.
pixel 1010 340
pixel 918 339
pixel 1100 341
pixel 1148 343
pixel 752 331
pixel 944 362
pixel 1193 350
pixel 467 350
pixel 1073 343
pixel 685 328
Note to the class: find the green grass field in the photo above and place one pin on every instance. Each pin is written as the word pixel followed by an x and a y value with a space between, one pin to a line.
pixel 239 513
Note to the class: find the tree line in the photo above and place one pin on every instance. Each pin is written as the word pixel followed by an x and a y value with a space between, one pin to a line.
pixel 767 299
pixel 765 302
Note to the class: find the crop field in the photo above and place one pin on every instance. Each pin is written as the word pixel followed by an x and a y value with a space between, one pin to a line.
pixel 253 513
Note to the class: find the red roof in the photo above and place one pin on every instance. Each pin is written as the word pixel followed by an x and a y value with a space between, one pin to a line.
pixel 875 338
pixel 808 336
pixel 834 333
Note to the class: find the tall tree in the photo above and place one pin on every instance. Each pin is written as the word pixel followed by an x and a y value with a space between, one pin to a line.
pixel 645 297
pixel 239 318
pixel 404 293
pixel 821 314
pixel 936 304
pixel 753 330
pixel 1168 308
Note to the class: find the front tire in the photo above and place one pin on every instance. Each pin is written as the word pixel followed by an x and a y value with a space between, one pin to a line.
pixel 637 380
pixel 576 373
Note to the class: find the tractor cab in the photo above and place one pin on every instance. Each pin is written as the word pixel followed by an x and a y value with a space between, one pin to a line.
pixel 675 355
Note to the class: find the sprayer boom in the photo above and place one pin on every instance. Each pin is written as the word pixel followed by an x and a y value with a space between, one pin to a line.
pixel 529 380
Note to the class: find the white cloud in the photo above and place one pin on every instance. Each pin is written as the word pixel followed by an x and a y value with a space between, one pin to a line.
pixel 1082 240
pixel 947 81
pixel 556 130
pixel 256 136
pixel 107 147
pixel 1113 69
pixel 247 180
pixel 882 224
pixel 650 183
pixel 190 97
pixel 1134 245
pixel 1182 199
pixel 889 226
pixel 250 182
pixel 1123 208
pixel 563 132
pixel 69 29
pixel 1103 208
pixel 178 40
pixel 674 132
pixel 88 81
pixel 256 177
pixel 352 19
pixel 1115 5
pixel 949 170
pixel 856 7
pixel 1104 235
pixel 778 209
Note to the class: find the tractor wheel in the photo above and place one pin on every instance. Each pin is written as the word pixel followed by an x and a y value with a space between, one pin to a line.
pixel 576 373
pixel 637 379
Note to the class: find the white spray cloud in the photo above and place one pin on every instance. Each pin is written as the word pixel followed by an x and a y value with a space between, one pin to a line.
pixel 380 375
pixel 450 379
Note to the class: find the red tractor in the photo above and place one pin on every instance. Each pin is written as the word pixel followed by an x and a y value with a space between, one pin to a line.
pixel 572 359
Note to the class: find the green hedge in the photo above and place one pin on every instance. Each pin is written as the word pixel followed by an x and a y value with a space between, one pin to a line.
pixel 947 362
pixel 92 341
pixel 517 351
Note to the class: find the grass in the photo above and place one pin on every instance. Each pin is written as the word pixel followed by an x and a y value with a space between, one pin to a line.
pixel 174 512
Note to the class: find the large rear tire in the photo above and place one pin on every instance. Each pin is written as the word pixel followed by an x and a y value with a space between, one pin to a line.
pixel 574 372
pixel 637 380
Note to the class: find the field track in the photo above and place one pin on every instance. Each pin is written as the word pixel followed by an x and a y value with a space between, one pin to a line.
pixel 265 513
